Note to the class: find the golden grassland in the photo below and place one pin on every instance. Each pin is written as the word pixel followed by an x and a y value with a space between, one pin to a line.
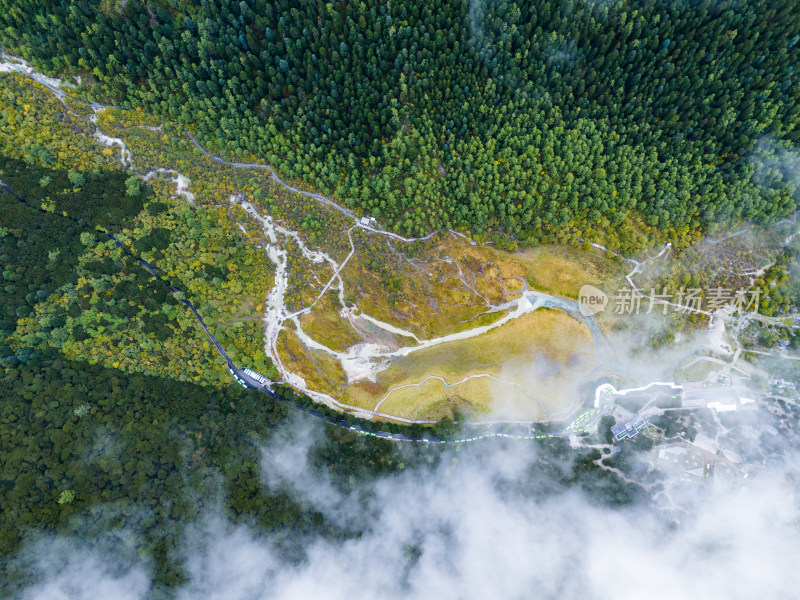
pixel 562 270
pixel 325 325
pixel 431 400
pixel 543 352
pixel 444 285
pixel 320 371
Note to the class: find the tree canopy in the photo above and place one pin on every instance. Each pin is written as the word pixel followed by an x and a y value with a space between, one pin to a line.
pixel 542 120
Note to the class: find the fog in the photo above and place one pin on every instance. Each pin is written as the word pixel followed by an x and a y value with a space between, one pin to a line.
pixel 476 525
pixel 65 569
pixel 776 163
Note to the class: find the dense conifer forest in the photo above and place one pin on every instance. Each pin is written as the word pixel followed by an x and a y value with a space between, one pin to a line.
pixel 544 120
pixel 98 452
pixel 534 121
pixel 94 451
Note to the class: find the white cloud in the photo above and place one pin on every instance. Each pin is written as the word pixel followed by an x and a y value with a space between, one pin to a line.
pixel 65 569
pixel 470 527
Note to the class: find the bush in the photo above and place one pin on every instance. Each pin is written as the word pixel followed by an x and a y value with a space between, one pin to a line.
pixel 76 179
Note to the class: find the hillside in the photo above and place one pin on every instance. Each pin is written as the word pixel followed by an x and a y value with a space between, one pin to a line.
pixel 533 121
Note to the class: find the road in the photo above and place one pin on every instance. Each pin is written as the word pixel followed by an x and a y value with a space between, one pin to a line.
pixel 55 86
pixel 13 63
pixel 248 382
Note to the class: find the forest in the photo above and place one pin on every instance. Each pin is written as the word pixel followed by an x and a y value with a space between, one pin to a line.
pixel 538 121
pixel 93 450
pixel 533 121
pixel 69 287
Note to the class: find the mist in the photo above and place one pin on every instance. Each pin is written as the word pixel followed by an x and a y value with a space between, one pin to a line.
pixel 486 520
pixel 67 568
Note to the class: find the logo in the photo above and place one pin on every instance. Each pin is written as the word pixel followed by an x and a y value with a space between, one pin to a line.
pixel 591 300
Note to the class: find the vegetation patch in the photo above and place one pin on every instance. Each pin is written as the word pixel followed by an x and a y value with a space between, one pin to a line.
pixel 542 352
pixel 562 270
pixel 37 128
pixel 326 326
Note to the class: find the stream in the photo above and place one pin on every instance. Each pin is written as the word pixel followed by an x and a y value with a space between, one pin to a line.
pixel 364 360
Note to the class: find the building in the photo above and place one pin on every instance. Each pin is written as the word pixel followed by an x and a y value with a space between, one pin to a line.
pixel 715 396
pixel 628 430
pixel 257 376
pixel 686 464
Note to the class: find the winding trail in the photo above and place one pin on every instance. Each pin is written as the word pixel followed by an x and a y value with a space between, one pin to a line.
pixel 249 382
pixel 360 359
pixel 276 315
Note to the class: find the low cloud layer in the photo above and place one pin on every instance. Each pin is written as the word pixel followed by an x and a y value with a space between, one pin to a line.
pixel 470 527
pixel 67 569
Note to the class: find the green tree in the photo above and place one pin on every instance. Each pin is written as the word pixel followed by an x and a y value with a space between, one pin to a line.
pixel 133 186
pixel 76 179
pixel 66 497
